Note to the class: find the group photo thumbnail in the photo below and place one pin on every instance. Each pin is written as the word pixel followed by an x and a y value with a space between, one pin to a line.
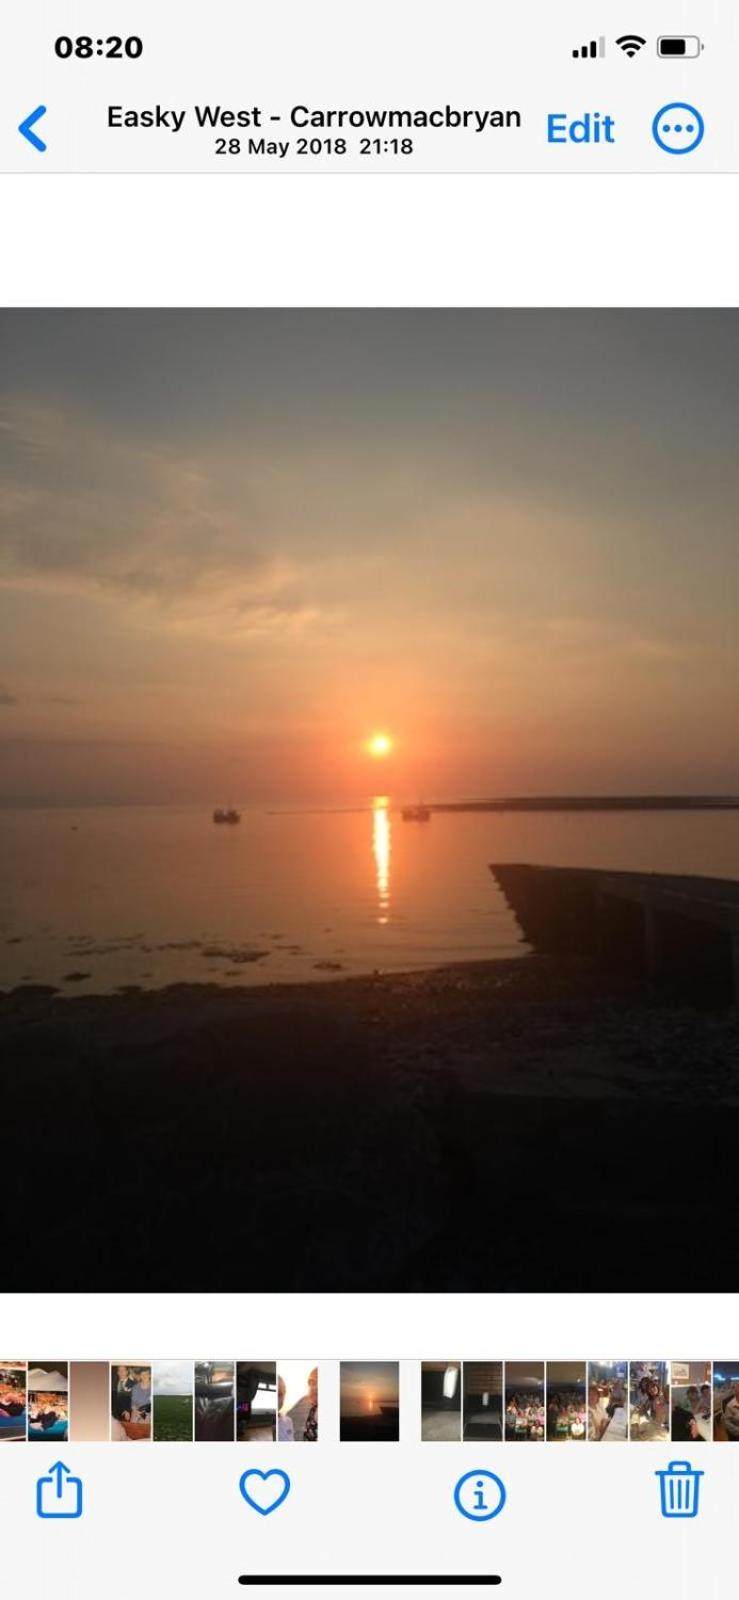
pixel 726 1400
pixel 691 1404
pixel 608 1398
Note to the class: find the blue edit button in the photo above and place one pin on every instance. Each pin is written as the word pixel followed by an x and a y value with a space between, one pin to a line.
pixel 590 127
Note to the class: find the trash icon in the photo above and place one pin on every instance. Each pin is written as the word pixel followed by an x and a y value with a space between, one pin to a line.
pixel 679 1488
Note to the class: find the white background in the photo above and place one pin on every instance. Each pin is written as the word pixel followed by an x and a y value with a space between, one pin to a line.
pixel 331 240
pixel 372 1327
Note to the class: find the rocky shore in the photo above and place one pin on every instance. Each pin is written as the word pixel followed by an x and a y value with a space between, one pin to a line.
pixel 527 1124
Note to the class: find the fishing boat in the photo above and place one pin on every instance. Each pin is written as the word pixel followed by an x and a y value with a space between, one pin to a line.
pixel 226 814
pixel 417 813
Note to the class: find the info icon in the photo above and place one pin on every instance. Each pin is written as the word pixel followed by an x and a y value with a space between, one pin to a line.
pixel 480 1495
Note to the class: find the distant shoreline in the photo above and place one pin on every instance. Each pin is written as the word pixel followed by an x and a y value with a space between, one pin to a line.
pixel 604 802
pixel 545 802
pixel 520 803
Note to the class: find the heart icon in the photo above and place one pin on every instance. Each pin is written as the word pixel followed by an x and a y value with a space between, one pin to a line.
pixel 262 1494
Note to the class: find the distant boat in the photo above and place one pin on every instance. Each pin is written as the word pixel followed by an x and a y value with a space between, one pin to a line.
pixel 226 814
pixel 419 813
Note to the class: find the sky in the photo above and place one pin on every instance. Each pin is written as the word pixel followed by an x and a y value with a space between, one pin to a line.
pixel 236 545
pixel 362 1381
pixel 173 1377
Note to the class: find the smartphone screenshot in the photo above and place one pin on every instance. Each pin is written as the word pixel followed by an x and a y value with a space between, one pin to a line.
pixel 369 799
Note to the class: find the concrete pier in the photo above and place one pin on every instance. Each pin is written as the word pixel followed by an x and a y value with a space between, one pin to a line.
pixel 681 934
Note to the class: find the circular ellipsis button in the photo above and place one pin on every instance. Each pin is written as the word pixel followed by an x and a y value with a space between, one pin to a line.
pixel 678 128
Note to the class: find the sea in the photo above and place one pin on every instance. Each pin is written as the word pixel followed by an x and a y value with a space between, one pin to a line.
pixel 99 900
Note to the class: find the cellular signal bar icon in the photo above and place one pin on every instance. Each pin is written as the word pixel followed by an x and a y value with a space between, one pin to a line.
pixel 589 52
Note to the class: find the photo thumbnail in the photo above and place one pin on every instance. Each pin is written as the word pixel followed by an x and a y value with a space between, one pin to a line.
pixel 297 1396
pixel 649 1392
pixel 12 1400
pixel 48 1401
pixel 608 1401
pixel 173 1401
pixel 566 1400
pixel 369 1402
pixel 130 1402
pixel 726 1401
pixel 256 1401
pixel 215 1401
pixel 525 1408
pixel 89 1402
pixel 441 1400
pixel 691 1401
pixel 483 1400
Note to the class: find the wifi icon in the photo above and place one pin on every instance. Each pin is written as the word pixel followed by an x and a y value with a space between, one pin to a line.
pixel 630 43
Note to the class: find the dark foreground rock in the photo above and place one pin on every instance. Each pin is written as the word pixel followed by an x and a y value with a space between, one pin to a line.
pixel 506 1125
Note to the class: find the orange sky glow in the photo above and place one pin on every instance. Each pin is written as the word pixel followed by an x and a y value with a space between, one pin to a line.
pixel 488 552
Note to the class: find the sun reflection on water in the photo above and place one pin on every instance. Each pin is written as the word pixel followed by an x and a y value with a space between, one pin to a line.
pixel 381 846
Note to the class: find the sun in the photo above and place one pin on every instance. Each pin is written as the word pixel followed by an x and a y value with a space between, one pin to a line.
pixel 379 746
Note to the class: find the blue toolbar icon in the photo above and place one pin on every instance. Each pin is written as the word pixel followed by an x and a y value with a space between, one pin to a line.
pixel 59 1495
pixel 679 1489
pixel 27 126
pixel 678 128
pixel 264 1491
pixel 480 1495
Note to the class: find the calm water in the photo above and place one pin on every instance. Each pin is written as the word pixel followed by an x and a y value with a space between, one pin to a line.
pixel 149 896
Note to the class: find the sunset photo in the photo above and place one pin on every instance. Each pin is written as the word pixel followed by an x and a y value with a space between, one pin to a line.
pixel 369 806
pixel 369 1402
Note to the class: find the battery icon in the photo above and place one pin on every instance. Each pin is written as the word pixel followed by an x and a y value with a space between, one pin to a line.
pixel 679 46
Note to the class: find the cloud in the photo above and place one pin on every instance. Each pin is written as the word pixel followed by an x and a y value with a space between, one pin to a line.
pixel 83 511
pixel 173 1377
